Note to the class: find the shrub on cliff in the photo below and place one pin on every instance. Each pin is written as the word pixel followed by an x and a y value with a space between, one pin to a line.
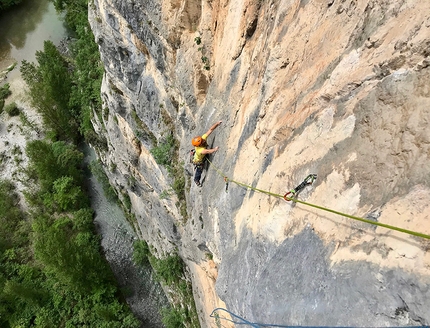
pixel 173 318
pixel 164 152
pixel 170 269
pixel 141 253
pixel 12 109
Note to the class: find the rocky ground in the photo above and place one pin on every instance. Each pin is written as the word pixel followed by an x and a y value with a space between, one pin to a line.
pixel 13 134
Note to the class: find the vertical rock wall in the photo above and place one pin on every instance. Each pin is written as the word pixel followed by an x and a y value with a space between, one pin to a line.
pixel 336 88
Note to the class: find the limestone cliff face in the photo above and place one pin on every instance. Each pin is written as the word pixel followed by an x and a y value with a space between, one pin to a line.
pixel 340 88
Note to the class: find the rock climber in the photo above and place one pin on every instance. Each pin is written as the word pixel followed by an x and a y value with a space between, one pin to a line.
pixel 200 151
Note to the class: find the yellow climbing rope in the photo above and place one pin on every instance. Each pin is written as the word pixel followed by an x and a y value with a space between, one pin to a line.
pixel 227 180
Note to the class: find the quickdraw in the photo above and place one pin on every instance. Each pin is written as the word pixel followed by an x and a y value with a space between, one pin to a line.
pixel 307 181
pixel 226 184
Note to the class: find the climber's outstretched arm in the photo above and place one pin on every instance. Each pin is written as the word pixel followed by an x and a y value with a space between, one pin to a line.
pixel 213 127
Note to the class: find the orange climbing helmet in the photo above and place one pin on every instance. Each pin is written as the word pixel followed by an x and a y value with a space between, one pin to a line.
pixel 197 141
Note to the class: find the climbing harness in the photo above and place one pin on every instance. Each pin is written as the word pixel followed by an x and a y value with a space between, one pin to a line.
pixel 196 165
pixel 287 198
pixel 307 181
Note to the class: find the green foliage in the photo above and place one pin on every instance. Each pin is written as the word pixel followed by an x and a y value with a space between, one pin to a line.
pixel 179 184
pixel 143 131
pixel 141 253
pixel 67 195
pixel 12 109
pixel 173 318
pixel 164 152
pixel 12 224
pixel 165 194
pixel 51 271
pixel 170 269
pixel 50 86
pixel 97 169
pixel 26 122
pixel 76 11
pixel 68 254
pixel 5 4
pixel 51 161
pixel 4 91
pixel 202 49
pixel 23 290
pixel 126 201
pixel 67 283
pixel 88 69
pixel 66 94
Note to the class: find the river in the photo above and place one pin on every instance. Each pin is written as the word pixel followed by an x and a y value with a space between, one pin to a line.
pixel 23 31
pixel 24 28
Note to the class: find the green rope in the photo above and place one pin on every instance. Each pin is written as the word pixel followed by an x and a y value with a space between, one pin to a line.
pixel 410 232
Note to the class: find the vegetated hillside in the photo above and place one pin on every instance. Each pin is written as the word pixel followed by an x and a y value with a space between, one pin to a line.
pixel 335 88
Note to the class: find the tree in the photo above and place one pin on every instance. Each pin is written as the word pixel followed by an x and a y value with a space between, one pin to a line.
pixel 5 4
pixel 50 87
pixel 11 216
pixel 51 161
pixel 70 255
pixel 67 195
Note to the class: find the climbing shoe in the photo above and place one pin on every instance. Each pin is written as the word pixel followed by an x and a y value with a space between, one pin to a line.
pixel 198 183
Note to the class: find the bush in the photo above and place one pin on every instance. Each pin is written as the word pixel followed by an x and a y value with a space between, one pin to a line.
pixel 12 109
pixel 141 252
pixel 167 154
pixel 170 269
pixel 173 318
pixel 4 91
pixel 163 153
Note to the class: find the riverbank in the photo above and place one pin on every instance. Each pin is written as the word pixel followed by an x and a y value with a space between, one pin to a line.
pixel 142 293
